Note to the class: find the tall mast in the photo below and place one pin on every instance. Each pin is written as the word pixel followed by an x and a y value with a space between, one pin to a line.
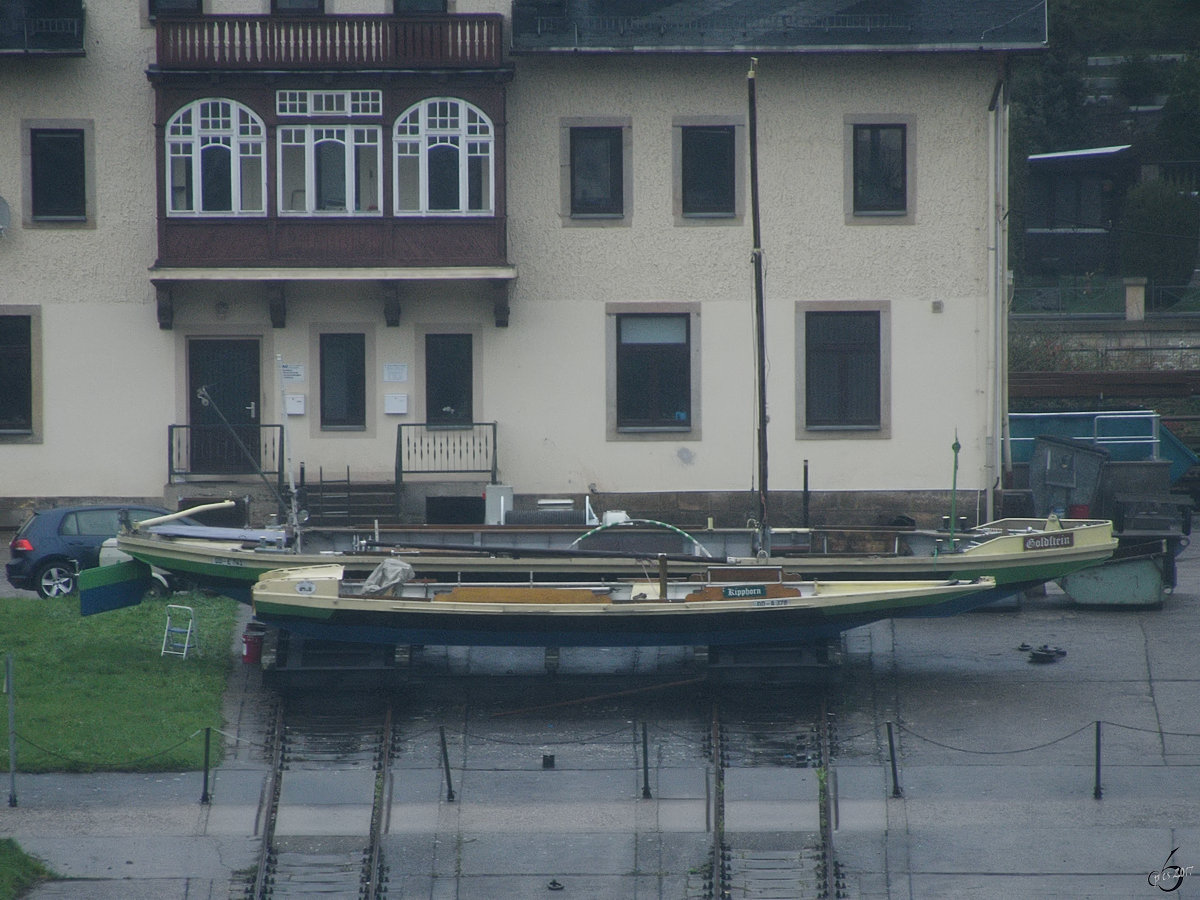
pixel 760 359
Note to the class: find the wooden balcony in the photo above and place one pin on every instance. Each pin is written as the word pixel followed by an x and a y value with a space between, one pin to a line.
pixel 308 242
pixel 257 43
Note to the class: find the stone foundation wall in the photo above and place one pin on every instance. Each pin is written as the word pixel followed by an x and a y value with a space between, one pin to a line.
pixel 256 505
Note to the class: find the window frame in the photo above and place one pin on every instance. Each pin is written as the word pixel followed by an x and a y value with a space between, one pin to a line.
pixel 245 137
pixel 474 130
pixel 86 130
pixel 33 360
pixel 568 214
pixel 399 10
pixel 735 215
pixel 857 431
pixel 663 431
pixel 327 343
pixel 313 136
pixel 302 8
pixel 856 216
pixel 179 8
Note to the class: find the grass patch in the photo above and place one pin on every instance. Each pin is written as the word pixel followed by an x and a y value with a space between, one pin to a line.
pixel 95 694
pixel 18 870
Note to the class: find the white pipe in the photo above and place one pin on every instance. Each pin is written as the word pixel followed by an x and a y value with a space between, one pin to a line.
pixel 171 517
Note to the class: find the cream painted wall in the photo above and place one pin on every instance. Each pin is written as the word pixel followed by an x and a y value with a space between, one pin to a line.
pixel 103 353
pixel 113 381
pixel 567 274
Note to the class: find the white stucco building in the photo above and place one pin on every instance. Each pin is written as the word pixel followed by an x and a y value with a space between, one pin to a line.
pixel 356 216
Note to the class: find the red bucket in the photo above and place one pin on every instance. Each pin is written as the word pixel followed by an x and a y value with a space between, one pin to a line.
pixel 252 642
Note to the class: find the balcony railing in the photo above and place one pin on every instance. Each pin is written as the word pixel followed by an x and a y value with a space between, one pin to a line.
pixel 427 449
pixel 330 42
pixel 54 29
pixel 225 450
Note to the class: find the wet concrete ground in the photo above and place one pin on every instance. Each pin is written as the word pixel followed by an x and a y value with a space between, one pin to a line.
pixel 995 758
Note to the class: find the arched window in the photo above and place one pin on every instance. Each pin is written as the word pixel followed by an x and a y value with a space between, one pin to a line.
pixel 215 160
pixel 445 162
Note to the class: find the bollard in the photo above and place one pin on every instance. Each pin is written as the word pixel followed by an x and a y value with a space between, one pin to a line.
pixel 446 764
pixel 892 753
pixel 1097 792
pixel 11 690
pixel 204 795
pixel 645 765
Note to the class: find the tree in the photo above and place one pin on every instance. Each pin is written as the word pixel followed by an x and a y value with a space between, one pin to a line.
pixel 1178 131
pixel 1159 233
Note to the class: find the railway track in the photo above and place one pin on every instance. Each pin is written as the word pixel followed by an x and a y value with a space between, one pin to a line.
pixel 516 782
pixel 327 800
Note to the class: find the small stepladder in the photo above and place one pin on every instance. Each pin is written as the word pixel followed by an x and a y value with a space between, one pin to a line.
pixel 181 633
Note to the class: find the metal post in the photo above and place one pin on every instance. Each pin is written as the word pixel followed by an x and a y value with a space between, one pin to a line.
pixel 446 764
pixel 804 519
pixel 756 257
pixel 645 765
pixel 10 689
pixel 892 754
pixel 662 578
pixel 204 795
pixel 1097 792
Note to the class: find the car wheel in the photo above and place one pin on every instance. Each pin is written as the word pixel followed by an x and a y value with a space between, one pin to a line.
pixel 158 590
pixel 54 579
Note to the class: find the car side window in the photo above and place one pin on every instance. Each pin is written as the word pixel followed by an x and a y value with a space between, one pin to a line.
pixel 99 521
pixel 70 524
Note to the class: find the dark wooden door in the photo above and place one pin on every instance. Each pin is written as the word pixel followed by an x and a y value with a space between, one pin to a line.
pixel 224 385
pixel 448 379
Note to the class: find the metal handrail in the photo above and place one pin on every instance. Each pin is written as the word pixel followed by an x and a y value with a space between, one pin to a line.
pixel 1093 430
pixel 432 449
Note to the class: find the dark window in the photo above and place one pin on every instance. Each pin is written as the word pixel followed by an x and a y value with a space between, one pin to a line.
pixel 297 7
pixel 176 7
pixel 880 169
pixel 443 177
pixel 841 375
pixel 654 379
pixel 404 7
pixel 343 381
pixel 597 172
pixel 707 169
pixel 448 379
pixel 217 186
pixel 16 374
pixel 57 170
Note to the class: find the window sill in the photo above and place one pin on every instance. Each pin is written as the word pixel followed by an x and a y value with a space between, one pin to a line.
pixel 653 429
pixel 59 222
pixel 20 437
pixel 209 216
pixel 843 428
